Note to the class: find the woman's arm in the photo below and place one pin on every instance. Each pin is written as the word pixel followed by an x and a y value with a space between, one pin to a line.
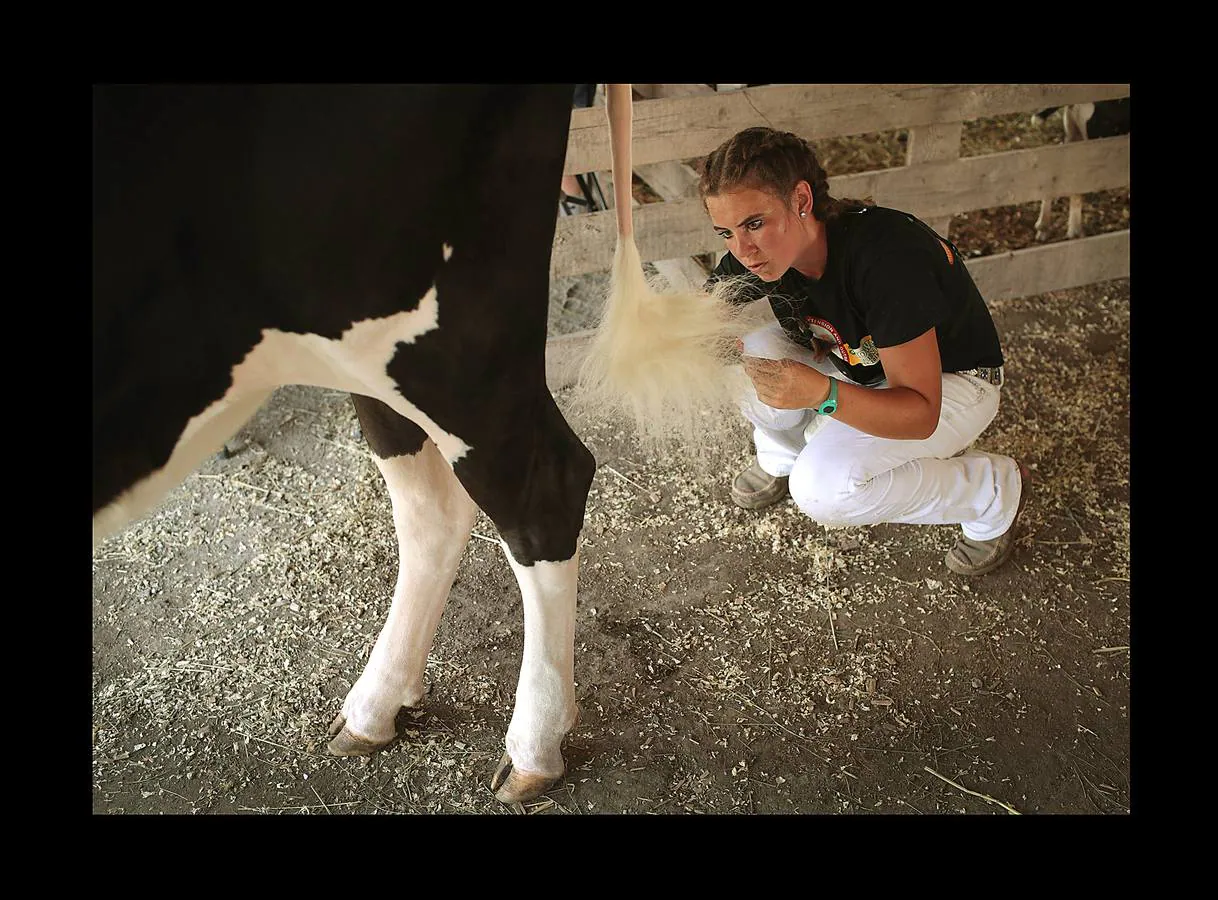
pixel 907 410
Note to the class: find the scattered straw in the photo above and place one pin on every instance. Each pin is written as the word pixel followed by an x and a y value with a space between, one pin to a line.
pixel 624 478
pixel 986 797
pixel 323 802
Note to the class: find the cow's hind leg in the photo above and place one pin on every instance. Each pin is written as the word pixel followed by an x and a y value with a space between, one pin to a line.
pixel 433 517
pixel 545 708
pixel 1042 220
pixel 1076 130
pixel 534 486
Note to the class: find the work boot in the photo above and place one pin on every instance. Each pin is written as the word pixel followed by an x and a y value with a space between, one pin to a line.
pixel 971 557
pixel 754 488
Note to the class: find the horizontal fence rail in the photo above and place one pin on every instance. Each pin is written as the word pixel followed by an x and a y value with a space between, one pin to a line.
pixel 687 127
pixel 585 243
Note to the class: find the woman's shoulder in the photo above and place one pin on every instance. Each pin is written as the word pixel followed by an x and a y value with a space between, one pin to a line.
pixel 880 230
pixel 875 221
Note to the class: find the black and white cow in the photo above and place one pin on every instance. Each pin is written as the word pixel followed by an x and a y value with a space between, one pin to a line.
pixel 389 241
pixel 1106 118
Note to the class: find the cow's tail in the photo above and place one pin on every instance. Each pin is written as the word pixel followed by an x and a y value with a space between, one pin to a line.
pixel 666 361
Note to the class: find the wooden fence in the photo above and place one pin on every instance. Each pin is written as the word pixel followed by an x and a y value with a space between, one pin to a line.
pixel 678 122
pixel 934 184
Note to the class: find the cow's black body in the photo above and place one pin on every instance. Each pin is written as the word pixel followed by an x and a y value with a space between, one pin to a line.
pixel 219 212
pixel 1109 118
pixel 392 241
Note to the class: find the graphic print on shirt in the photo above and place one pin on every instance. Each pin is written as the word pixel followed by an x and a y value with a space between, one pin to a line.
pixel 866 354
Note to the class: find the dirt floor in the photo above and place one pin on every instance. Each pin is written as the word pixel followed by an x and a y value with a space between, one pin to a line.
pixel 726 661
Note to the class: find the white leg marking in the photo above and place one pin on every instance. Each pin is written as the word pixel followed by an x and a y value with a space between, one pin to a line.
pixel 1074 224
pixel 545 695
pixel 1076 119
pixel 433 516
pixel 1042 220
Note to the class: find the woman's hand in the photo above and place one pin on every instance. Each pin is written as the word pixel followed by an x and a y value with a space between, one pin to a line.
pixel 785 383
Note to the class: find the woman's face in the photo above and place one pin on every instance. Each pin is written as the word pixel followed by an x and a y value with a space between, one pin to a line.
pixel 759 230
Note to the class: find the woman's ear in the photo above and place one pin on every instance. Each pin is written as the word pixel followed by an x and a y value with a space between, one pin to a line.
pixel 803 199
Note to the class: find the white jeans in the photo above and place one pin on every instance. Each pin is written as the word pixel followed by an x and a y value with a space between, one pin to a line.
pixel 843 476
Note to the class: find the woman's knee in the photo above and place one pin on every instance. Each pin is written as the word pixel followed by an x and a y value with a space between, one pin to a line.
pixel 824 490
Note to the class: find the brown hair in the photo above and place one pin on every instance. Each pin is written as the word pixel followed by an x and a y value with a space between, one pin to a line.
pixel 772 161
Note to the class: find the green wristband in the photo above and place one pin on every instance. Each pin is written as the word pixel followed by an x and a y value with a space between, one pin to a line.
pixel 829 407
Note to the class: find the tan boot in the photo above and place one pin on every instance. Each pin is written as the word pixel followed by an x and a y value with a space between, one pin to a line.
pixel 971 557
pixel 754 488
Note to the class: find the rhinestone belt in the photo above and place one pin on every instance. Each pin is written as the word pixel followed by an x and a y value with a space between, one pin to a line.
pixel 992 375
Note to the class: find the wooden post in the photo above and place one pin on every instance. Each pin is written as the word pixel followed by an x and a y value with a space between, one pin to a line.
pixel 933 143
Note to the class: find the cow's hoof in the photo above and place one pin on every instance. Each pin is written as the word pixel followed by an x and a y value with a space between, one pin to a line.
pixel 512 785
pixel 347 743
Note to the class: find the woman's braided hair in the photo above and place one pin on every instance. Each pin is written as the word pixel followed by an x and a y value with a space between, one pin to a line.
pixel 772 161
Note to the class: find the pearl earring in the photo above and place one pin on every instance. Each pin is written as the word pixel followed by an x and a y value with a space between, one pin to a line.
pixel 803 215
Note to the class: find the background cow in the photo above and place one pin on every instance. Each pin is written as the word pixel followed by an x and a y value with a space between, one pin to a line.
pixel 389 241
pixel 1081 121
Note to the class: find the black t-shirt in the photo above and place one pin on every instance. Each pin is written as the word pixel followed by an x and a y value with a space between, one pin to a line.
pixel 888 279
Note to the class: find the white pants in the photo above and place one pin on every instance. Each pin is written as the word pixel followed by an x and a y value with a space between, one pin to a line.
pixel 843 476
